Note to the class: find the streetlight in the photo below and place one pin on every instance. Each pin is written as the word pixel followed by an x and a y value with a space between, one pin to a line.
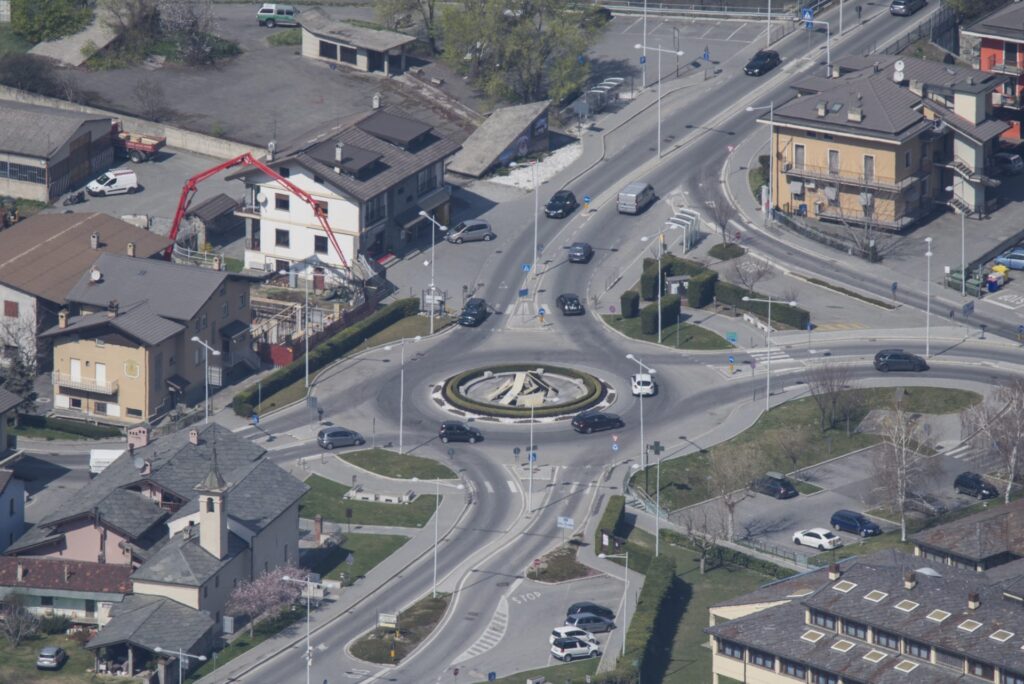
pixel 928 303
pixel 771 156
pixel 401 390
pixel 963 245
pixel 207 349
pixel 305 316
pixel 625 593
pixel 828 44
pixel 536 211
pixel 181 656
pixel 433 295
pixel 437 504
pixel 643 62
pixel 309 593
pixel 643 445
pixel 768 374
pixel 677 53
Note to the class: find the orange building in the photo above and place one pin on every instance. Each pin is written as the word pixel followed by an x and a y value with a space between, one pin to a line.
pixel 1002 52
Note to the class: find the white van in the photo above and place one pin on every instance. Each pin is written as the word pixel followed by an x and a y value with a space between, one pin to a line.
pixel 114 183
pixel 635 198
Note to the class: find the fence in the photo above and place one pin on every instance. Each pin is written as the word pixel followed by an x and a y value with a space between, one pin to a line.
pixel 940 28
pixel 870 254
pixel 773 550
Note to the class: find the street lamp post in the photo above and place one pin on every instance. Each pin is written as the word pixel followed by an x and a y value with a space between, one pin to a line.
pixel 643 444
pixel 928 303
pixel 305 317
pixel 657 508
pixel 433 239
pixel 625 594
pixel 181 657
pixel 207 350
pixel 659 50
pixel 828 44
pixel 768 373
pixel 771 156
pixel 643 66
pixel 536 212
pixel 401 391
pixel 309 594
pixel 963 244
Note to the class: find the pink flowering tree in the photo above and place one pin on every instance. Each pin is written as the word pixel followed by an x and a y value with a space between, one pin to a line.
pixel 266 595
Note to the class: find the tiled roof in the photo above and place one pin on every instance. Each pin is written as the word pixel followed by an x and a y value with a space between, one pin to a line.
pixel 38 131
pixel 315 21
pixel 980 132
pixel 1005 22
pixel 788 589
pixel 66 575
pixel 979 536
pixel 138 322
pixel 151 622
pixel 213 208
pixel 36 535
pixel 8 400
pixel 182 560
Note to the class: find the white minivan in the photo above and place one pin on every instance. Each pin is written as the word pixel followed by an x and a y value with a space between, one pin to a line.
pixel 114 183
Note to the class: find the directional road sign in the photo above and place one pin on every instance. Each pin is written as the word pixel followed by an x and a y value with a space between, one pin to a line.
pixel 516 451
pixel 533 456
pixel 893 288
pixel 615 446
pixel 643 59
pixel 541 311
pixel 566 523
pixel 255 419
pixel 731 359
pixel 586 199
pixel 524 292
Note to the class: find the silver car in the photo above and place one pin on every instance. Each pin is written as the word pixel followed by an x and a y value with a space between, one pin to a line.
pixel 51 658
pixel 468 231
pixel 331 437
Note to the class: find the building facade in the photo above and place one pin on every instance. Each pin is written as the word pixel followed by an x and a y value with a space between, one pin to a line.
pixel 1000 38
pixel 354 47
pixel 12 503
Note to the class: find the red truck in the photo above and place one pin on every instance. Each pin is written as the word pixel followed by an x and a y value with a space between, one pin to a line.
pixel 135 146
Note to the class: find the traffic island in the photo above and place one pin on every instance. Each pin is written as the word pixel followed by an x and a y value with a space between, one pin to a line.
pixel 327 499
pixel 559 565
pixel 396 636
pixel 400 466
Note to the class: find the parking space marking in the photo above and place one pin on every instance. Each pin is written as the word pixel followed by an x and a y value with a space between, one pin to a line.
pixel 490 489
pixel 629 28
pixel 736 31
pixel 1008 300
pixel 511 486
pixel 710 29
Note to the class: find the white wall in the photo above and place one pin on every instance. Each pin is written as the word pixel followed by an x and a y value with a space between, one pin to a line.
pixel 19 332
pixel 276 541
pixel 12 526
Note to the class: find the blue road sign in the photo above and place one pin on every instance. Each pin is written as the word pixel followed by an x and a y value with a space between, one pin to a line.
pixel 541 311
pixel 707 54
pixel 809 326
pixel 807 14
pixel 586 199
pixel 256 417
pixel 491 676
pixel 532 457
pixel 893 288
pixel 1020 329
pixel 526 268
pixel 615 446
pixel 643 59
pixel 731 359
pixel 524 292
pixel 730 337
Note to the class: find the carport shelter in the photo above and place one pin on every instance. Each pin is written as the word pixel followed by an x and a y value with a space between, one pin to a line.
pixel 507 134
pixel 364 49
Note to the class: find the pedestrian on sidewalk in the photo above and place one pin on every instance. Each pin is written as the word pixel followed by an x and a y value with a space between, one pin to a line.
pixel 859 10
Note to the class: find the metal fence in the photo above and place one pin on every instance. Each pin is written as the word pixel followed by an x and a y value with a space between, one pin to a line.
pixel 940 28
pixel 725 6
pixel 773 550
pixel 848 246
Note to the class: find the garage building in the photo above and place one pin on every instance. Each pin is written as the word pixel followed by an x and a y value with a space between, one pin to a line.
pixel 339 42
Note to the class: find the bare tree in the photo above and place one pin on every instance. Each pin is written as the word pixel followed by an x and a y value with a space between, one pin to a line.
pixel 16 622
pixel 136 22
pixel 749 271
pixel 190 24
pixel 267 595
pixel 729 475
pixel 829 383
pixel 998 424
pixel 393 13
pixel 793 444
pixel 900 463
pixel 18 336
pixel 426 10
pixel 719 210
pixel 703 531
pixel 151 98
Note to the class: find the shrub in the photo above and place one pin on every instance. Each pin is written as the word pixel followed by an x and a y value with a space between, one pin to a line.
pixel 649 316
pixel 731 557
pixel 54 624
pixel 793 316
pixel 671 265
pixel 649 284
pixel 630 303
pixel 37 21
pixel 729 250
pixel 611 519
pixel 649 320
pixel 75 427
pixel 700 291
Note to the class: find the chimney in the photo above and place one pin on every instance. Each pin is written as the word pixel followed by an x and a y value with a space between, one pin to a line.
pixel 910 580
pixel 62 318
pixel 973 601
pixel 376 100
pixel 271 148
pixel 193 436
pixel 130 248
pixel 339 149
pixel 112 307
pixel 876 67
pixel 834 572
pixel 138 436
pixel 855 114
pixel 822 107
pixel 970 80
pixel 94 241
pixel 218 263
pixel 21 572
pixel 318 528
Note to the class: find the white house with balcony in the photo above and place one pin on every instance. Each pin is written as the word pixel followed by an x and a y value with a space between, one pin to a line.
pixel 371 174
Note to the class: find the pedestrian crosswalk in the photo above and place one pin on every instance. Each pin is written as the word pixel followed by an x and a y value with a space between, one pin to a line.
pixel 490 489
pixel 492 635
pixel 959 452
pixel 761 356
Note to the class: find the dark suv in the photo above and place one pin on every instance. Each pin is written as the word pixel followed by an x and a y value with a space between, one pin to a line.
pixel 580 252
pixel 899 360
pixel 774 484
pixel 454 431
pixel 973 484
pixel 596 421
pixel 474 313
pixel 850 521
pixel 561 204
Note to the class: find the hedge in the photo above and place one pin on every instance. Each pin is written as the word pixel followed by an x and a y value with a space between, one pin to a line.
pixel 595 391
pixel 793 316
pixel 731 557
pixel 630 304
pixel 74 427
pixel 611 519
pixel 649 315
pixel 700 291
pixel 671 265
pixel 326 352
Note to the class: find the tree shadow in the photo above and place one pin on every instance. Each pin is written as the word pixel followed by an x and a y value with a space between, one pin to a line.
pixel 659 649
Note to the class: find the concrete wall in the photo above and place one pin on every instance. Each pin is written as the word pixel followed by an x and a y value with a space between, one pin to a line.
pixel 277 543
pixel 12 505
pixel 186 596
pixel 17 331
pixel 84 541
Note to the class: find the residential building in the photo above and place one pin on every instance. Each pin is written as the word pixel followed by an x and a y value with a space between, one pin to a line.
pixel 877 147
pixel 982 541
pixel 80 591
pixel 9 401
pixel 365 49
pixel 1000 50
pixel 371 175
pixel 124 353
pixel 12 500
pixel 45 152
pixel 41 260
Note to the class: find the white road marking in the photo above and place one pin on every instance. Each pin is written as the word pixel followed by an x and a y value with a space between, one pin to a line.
pixel 490 489
pixel 511 486
pixel 707 32
pixel 627 29
pixel 736 31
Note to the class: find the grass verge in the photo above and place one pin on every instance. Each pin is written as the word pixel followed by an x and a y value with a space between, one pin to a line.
pixel 232 265
pixel 730 250
pixel 392 464
pixel 366 551
pixel 676 335
pixel 11 42
pixel 325 498
pixel 43 427
pixel 385 646
pixel 290 36
pixel 559 565
pixel 850 293
pixel 19 664
pixel 260 633
pixel 574 672
pixel 806 487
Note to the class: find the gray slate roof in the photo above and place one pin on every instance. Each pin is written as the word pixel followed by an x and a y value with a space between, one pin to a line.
pixel 151 621
pixel 139 322
pixel 38 131
pixel 481 149
pixel 173 291
pixel 979 536
pixel 213 208
pixel 183 561
pixel 1005 22
pixel 8 400
pixel 315 21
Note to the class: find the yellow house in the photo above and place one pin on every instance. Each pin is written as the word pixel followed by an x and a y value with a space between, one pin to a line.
pixel 125 352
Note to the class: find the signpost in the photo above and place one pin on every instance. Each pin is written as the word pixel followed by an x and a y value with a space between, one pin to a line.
pixel 524 292
pixel 807 15
pixel 893 289
pixel 565 523
pixel 515 452
pixel 541 312
pixel 526 268
pixel 732 368
pixel 586 202
pixel 387 620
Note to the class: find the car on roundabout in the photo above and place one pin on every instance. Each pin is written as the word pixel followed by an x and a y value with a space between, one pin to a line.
pixel 457 431
pixel 643 385
pixel 596 421
pixel 337 436
pixel 899 360
pixel 570 304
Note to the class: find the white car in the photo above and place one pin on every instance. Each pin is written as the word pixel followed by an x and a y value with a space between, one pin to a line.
pixel 572 633
pixel 571 649
pixel 818 537
pixel 643 385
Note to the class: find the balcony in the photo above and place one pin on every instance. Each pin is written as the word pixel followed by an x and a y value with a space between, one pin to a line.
pixel 68 381
pixel 1006 101
pixel 841 177
pixel 1010 68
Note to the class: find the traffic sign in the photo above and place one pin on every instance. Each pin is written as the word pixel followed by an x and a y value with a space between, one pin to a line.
pixel 730 337
pixel 451 452
pixel 643 59
pixel 586 199
pixel 615 446
pixel 566 523
pixel 526 268
pixel 516 451
pixel 541 311
pixel 532 457
pixel 893 288
pixel 615 438
pixel 707 54
pixel 540 248
pixel 809 326
pixel 968 309
pixel 255 419
pixel 657 447
pixel 731 359
pixel 350 559
pixel 1020 329
pixel 524 292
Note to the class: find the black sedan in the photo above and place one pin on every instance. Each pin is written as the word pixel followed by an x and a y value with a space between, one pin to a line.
pixel 580 252
pixel 763 62
pixel 474 313
pixel 561 204
pixel 570 304
pixel 592 608
pixel 455 431
pixel 899 360
pixel 595 421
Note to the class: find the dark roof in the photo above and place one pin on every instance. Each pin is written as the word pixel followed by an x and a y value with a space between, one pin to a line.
pixel 182 560
pixel 354 160
pixel 8 400
pixel 152 621
pixel 49 573
pixel 38 131
pixel 982 535
pixel 36 535
pixel 213 208
pixel 172 291
pixel 1005 22
pixel 139 322
pixel 5 477
pixel 397 130
pixel 481 149
pixel 981 132
pixel 46 254
pixel 788 589
pixel 315 21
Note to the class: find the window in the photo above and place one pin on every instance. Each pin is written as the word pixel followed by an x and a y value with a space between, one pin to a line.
pixel 979 669
pixel 90 607
pixel 907 159
pixel 917 649
pixel 100 343
pixel 869 167
pixel 20 172
pixel 1012 677
pixel 224 310
pixel 822 677
pixel 100 407
pixel 798 156
pixel 906 605
pixel 347 55
pixel 11 511
pixel 241 301
pixel 206 591
pixel 762 659
pixel 855 629
pixel 170 361
pixel 812 134
pixel 833 161
pixel 134 413
pixel 76 403
pixel 938 615
pixel 376 209
pixel 887 639
pixel 196 357
pixel 320 244
pixel 209 505
pixel 823 619
pixel 826 136
pixel 730 648
pixel 426 180
pixel 282 238
pixel 323 206
pixel 328 50
pixel 10 309
pixel 202 321
pixel 793 669
pixel 950 659
pixel 46 600
pixel 284 171
pixel 282 202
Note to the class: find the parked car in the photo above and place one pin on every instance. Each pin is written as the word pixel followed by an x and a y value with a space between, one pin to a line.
pixel 973 484
pixel 590 622
pixel 643 385
pixel 904 8
pixel 818 537
pixel 331 437
pixel 925 504
pixel 580 252
pixel 570 304
pixel 595 421
pixel 51 658
pixel 456 431
pixel 116 182
pixel 857 523
pixel 571 649
pixel 1013 258
pixel 572 633
pixel 592 608
pixel 899 360
pixel 763 62
pixel 1008 163
pixel 474 312
pixel 774 484
pixel 561 204
pixel 470 231
pixel 271 15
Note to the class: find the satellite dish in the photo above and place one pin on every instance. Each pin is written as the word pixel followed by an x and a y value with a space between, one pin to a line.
pixel 898 77
pixel 899 65
pixel 95 275
pixel 138 462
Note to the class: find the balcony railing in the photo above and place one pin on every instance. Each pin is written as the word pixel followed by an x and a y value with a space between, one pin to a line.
pixel 839 176
pixel 1005 100
pixel 85 384
pixel 1011 68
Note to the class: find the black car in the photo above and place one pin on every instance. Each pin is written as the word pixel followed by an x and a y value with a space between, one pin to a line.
pixel 899 360
pixel 857 523
pixel 904 8
pixel 774 484
pixel 595 421
pixel 473 313
pixel 561 204
pixel 454 431
pixel 570 304
pixel 761 63
pixel 580 252
pixel 592 608
pixel 973 484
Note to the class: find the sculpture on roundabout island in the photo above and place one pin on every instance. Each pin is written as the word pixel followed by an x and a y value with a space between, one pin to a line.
pixel 523 389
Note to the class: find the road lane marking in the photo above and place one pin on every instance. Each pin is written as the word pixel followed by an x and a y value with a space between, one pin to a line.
pixel 511 486
pixel 490 489
pixel 736 31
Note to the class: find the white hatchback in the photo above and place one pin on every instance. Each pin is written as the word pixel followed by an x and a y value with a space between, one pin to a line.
pixel 572 633
pixel 643 385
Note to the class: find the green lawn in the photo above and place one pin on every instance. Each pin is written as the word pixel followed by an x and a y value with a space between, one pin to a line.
pixel 42 427
pixel 575 672
pixel 689 336
pixel 559 565
pixel 414 625
pixel 324 498
pixel 806 487
pixel 19 664
pixel 261 632
pixel 289 36
pixel 366 551
pixel 789 438
pixel 727 251
pixel 11 42
pixel 393 464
